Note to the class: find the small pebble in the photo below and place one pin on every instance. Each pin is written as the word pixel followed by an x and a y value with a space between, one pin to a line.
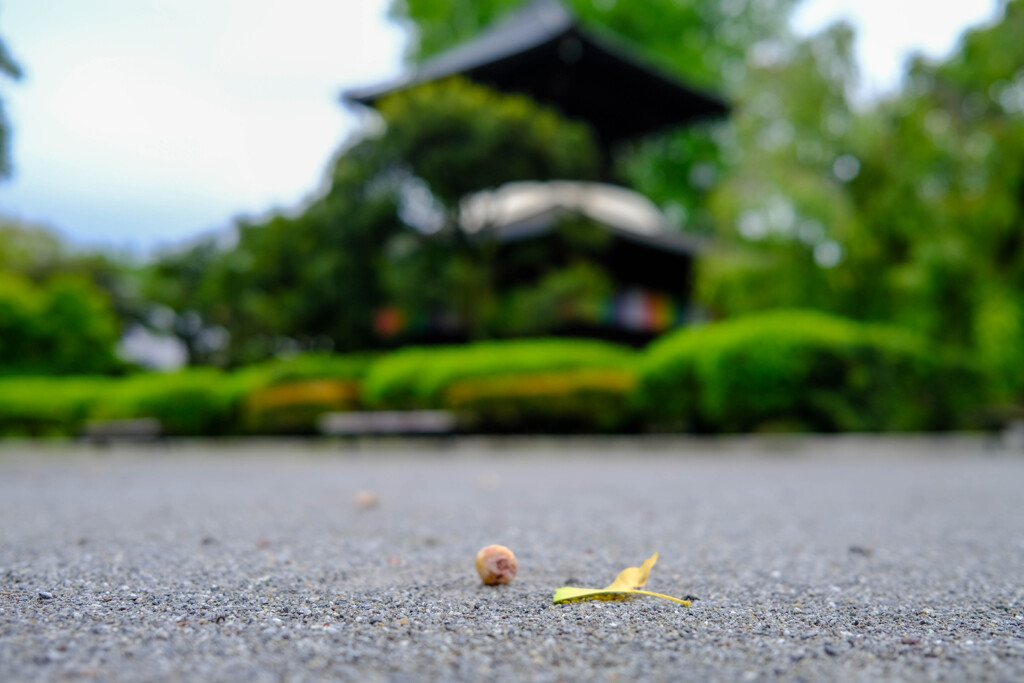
pixel 43 595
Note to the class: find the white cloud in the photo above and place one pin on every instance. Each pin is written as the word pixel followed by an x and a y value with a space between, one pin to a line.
pixel 149 107
pixel 889 30
pixel 139 122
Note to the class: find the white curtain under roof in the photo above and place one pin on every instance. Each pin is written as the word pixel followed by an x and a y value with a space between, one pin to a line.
pixel 514 203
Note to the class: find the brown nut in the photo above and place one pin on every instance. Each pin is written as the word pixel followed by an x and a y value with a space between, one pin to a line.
pixel 367 499
pixel 496 565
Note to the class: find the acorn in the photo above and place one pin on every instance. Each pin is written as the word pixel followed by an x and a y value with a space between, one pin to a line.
pixel 367 500
pixel 496 565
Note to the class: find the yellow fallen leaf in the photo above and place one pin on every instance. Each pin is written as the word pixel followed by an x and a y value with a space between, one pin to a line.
pixel 628 582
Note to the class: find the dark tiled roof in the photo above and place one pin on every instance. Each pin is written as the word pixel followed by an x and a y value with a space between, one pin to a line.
pixel 544 52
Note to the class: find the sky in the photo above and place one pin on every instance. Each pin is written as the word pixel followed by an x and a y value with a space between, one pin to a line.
pixel 141 124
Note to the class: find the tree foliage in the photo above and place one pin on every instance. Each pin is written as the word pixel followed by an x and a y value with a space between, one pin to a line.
pixel 39 254
pixel 8 68
pixel 782 208
pixel 704 42
pixel 62 309
pixel 459 138
pixel 909 210
pixel 942 199
pixel 382 232
pixel 63 326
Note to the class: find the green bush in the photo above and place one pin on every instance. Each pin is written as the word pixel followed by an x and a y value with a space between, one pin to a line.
pixel 48 406
pixel 295 407
pixel 280 396
pixel 192 402
pixel 306 366
pixel 806 371
pixel 583 400
pixel 417 377
pixel 781 370
pixel 287 396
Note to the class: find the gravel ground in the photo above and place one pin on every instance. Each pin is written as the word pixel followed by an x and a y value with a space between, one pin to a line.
pixel 845 559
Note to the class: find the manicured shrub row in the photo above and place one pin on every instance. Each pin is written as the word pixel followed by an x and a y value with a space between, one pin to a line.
pixel 191 402
pixel 287 396
pixel 280 396
pixel 576 400
pixel 307 366
pixel 805 371
pixel 538 385
pixel 418 377
pixel 48 406
pixel 293 407
pixel 786 370
pixel 197 401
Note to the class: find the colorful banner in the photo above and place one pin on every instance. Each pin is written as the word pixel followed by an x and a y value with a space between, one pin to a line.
pixel 641 310
pixel 391 321
pixel 634 309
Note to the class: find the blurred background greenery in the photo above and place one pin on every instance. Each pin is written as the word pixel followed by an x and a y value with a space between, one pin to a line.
pixel 863 267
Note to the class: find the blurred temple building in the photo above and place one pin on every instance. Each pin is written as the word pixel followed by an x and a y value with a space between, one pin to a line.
pixel 544 52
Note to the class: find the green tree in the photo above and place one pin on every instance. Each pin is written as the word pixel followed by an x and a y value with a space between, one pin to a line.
pixel 40 254
pixel 704 42
pixel 908 211
pixel 31 250
pixel 177 289
pixel 64 326
pixel 446 140
pixel 10 69
pixel 383 232
pixel 941 198
pixel 783 211
pixel 459 138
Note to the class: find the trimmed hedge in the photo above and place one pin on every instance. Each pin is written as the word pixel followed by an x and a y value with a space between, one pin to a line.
pixel 306 366
pixel 579 400
pixel 286 396
pixel 806 371
pixel 293 407
pixel 785 370
pixel 418 377
pixel 192 402
pixel 48 406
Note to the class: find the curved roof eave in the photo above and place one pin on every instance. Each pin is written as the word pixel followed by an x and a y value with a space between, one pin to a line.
pixel 540 22
pixel 526 209
pixel 534 28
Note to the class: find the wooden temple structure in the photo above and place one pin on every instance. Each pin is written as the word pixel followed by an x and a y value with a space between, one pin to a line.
pixel 543 51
